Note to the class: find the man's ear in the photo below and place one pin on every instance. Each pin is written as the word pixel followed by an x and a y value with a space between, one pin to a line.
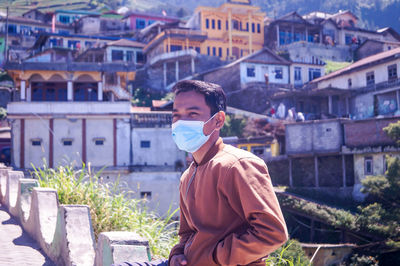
pixel 220 119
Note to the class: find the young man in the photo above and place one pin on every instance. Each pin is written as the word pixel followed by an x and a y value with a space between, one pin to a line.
pixel 229 214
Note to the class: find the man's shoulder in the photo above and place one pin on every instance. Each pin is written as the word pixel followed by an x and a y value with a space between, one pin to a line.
pixel 230 155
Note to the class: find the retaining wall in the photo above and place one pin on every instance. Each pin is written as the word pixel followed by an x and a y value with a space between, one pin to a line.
pixel 65 232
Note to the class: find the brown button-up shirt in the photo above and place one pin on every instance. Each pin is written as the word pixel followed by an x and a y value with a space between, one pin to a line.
pixel 229 212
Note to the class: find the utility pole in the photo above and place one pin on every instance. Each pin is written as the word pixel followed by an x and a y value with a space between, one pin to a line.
pixel 6 40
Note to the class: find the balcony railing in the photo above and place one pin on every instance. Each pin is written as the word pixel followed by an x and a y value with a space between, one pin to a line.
pixel 153 119
pixel 66 108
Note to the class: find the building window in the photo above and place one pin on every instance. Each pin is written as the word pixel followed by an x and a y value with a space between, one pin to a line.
pixel 313 73
pixel 129 56
pixel 258 28
pixel 220 52
pixel 145 144
pixel 227 52
pixel 145 195
pixel 64 19
pixel 251 71
pixel 117 55
pixel 213 23
pixel 207 23
pixel 368 166
pixel 67 142
pixel 348 39
pixel 253 27
pixel 278 73
pixel 219 24
pixel 227 25
pixel 370 77
pixel 175 48
pixel 297 73
pixel 235 24
pixel 49 91
pixel 86 91
pixel 197 49
pixel 140 57
pixel 140 23
pixel 99 141
pixel 214 49
pixel 349 83
pixel 384 164
pixel 392 72
pixel 36 142
pixel 208 50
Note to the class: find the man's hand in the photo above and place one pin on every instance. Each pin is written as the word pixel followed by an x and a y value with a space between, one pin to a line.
pixel 178 260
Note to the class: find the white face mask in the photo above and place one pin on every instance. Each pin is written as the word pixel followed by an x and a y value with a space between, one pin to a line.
pixel 188 135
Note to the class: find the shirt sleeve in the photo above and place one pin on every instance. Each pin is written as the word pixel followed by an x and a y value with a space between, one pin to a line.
pixel 184 232
pixel 249 191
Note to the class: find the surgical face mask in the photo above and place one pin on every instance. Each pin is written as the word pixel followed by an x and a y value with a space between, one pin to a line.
pixel 188 135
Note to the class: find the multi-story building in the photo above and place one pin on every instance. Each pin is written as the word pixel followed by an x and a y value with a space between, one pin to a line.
pixel 321 36
pixel 136 21
pixel 365 89
pixel 254 78
pixel 230 31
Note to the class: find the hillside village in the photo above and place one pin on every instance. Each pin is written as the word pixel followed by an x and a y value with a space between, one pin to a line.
pixel 94 86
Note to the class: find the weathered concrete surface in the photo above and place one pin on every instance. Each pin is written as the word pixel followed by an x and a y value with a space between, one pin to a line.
pixel 16 246
pixel 118 247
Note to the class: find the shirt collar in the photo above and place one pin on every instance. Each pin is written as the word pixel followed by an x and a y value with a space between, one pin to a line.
pixel 218 145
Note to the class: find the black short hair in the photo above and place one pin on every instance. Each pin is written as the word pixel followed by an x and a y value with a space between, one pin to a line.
pixel 213 93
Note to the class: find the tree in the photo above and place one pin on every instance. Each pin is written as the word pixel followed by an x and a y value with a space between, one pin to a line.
pixel 393 131
pixel 3 113
pixel 233 126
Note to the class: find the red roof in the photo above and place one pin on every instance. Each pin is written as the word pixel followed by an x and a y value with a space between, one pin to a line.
pixel 158 103
pixel 370 60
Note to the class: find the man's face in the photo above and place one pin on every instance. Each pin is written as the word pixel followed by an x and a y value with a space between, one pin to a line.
pixel 191 105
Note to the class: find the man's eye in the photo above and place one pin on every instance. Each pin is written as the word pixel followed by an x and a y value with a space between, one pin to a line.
pixel 193 114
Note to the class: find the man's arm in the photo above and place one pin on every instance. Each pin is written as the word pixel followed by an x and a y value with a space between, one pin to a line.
pixel 184 233
pixel 248 189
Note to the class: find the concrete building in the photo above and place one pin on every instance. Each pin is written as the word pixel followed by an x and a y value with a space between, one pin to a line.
pixel 70 16
pixel 123 51
pixel 136 21
pixel 338 153
pixel 371 47
pixel 365 89
pixel 254 78
pixel 321 36
pixel 229 32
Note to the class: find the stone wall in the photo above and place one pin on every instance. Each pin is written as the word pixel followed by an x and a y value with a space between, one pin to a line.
pixel 64 232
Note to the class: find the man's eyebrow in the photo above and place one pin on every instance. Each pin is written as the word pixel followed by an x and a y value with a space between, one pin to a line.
pixel 189 108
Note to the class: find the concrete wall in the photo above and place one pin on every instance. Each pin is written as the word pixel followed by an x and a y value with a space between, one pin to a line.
pixel 67 129
pixel 261 70
pixel 123 137
pixel 162 150
pixel 100 155
pixel 314 136
pixel 163 186
pixel 359 77
pixel 64 232
pixel 36 129
pixel 367 133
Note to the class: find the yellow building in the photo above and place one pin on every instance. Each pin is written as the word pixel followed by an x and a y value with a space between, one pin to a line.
pixel 230 31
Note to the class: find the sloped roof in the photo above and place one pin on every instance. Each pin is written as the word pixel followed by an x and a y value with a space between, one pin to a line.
pixel 368 61
pixel 125 43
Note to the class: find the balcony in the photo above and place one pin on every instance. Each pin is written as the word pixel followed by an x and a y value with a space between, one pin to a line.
pixel 173 55
pixel 71 66
pixel 67 108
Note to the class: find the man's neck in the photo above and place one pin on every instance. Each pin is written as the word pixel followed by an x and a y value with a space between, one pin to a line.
pixel 199 155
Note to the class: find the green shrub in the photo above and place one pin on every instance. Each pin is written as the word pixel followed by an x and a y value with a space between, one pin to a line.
pixel 289 254
pixel 110 208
